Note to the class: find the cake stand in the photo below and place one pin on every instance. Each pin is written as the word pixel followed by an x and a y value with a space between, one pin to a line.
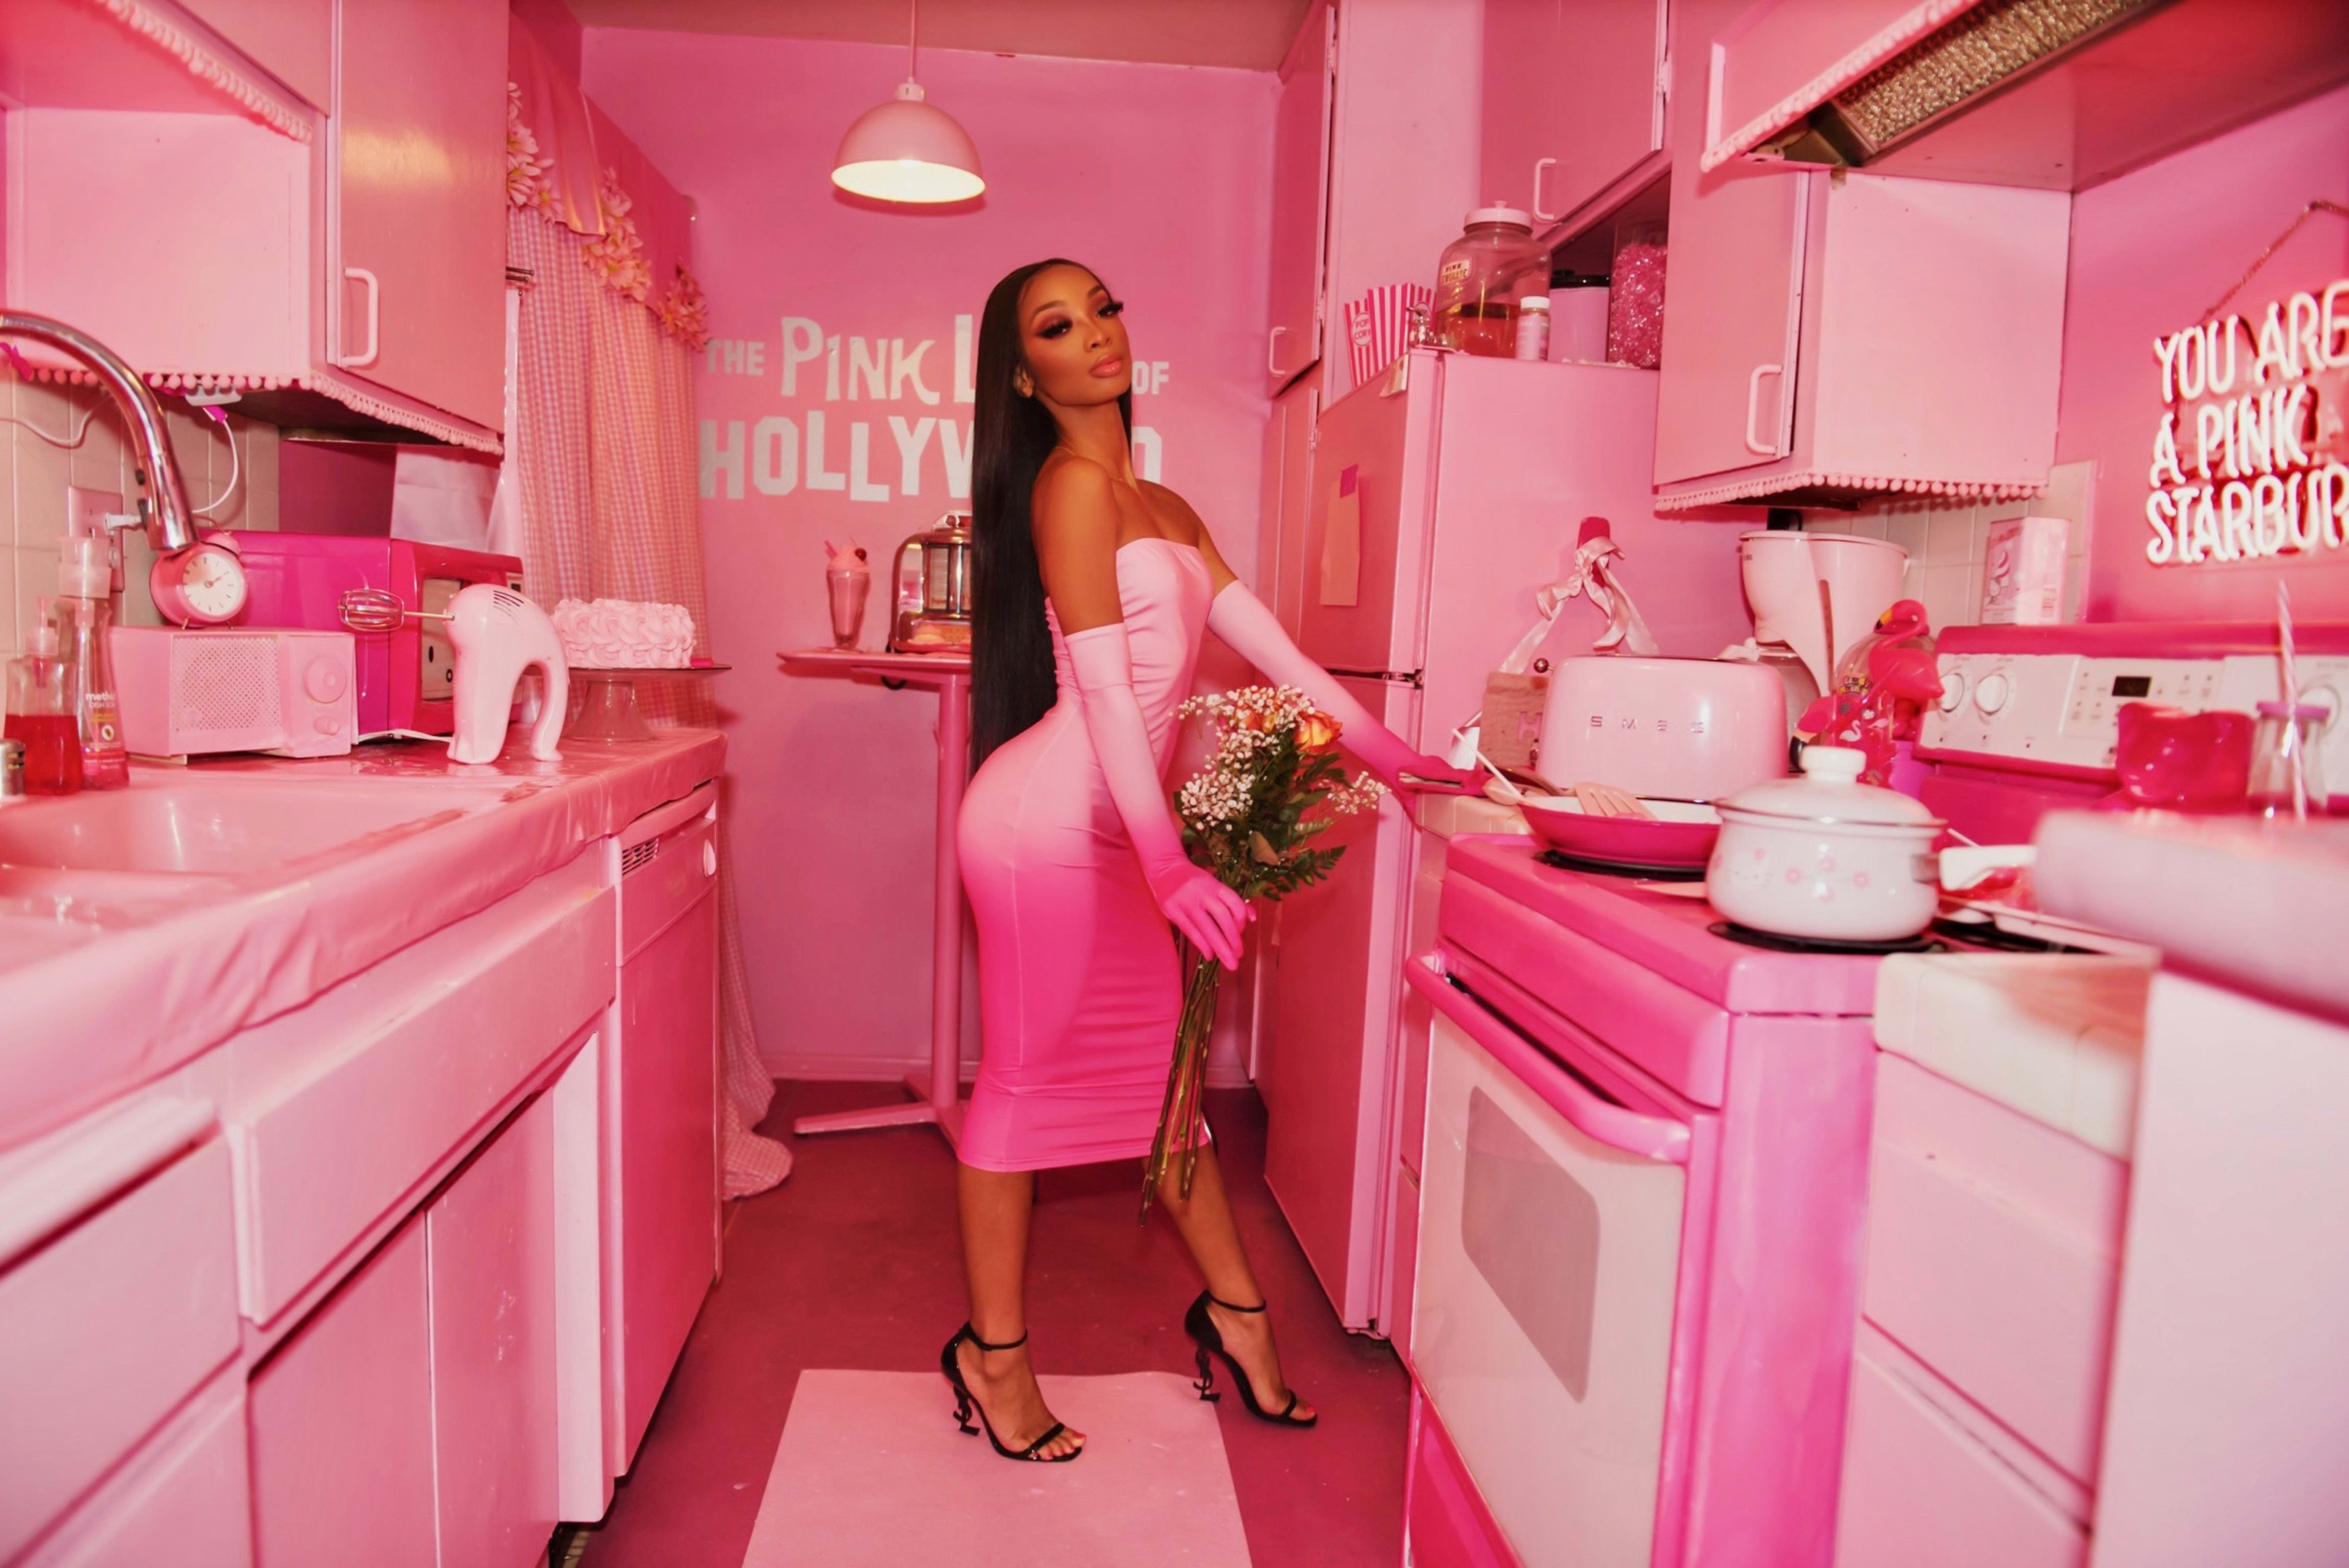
pixel 607 713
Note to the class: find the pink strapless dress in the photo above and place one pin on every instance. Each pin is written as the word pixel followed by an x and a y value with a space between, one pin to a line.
pixel 1078 987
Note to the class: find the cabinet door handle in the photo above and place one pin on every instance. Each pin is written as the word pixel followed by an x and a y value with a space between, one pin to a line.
pixel 374 318
pixel 1272 351
pixel 1753 401
pixel 1541 166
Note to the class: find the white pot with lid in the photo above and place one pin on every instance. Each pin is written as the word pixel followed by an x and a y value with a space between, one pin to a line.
pixel 1824 857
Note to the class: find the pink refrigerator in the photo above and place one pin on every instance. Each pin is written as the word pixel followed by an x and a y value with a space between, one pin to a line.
pixel 1444 494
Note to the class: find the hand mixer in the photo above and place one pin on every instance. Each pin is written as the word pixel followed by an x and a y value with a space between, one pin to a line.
pixel 497 635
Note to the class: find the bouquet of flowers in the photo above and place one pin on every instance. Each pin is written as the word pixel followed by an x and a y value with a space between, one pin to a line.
pixel 1250 816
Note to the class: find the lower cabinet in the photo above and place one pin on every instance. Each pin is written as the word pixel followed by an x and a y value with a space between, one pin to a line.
pixel 342 1423
pixel 411 1419
pixel 490 1245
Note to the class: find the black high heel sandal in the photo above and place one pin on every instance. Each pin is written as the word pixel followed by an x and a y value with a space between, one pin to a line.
pixel 1210 1341
pixel 951 1365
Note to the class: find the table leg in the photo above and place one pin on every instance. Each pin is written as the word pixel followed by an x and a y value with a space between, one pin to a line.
pixel 938 1101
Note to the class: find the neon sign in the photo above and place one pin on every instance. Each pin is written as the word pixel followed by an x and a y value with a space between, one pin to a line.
pixel 2248 461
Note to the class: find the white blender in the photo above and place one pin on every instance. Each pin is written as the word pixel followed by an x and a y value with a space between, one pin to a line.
pixel 1813 596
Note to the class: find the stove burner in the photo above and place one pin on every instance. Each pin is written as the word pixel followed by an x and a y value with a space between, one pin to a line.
pixel 1777 944
pixel 1566 863
pixel 1986 935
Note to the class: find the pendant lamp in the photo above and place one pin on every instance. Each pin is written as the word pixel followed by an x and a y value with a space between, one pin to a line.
pixel 908 149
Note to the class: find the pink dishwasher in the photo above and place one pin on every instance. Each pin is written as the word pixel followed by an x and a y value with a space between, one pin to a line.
pixel 661 1110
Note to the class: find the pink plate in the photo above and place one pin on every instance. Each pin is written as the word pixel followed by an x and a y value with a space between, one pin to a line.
pixel 1681 835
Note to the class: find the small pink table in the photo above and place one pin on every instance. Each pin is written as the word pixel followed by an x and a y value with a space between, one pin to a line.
pixel 937 1100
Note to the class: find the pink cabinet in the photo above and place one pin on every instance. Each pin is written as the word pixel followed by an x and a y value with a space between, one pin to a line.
pixel 357 255
pixel 417 242
pixel 1446 1522
pixel 411 1419
pixel 342 1424
pixel 1574 99
pixel 1827 338
pixel 661 1087
pixel 1301 197
pixel 108 1325
pixel 490 1238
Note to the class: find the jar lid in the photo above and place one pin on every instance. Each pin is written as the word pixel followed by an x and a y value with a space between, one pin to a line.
pixel 1829 790
pixel 1536 303
pixel 1501 213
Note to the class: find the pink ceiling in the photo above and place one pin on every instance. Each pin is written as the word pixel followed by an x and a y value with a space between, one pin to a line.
pixel 1252 35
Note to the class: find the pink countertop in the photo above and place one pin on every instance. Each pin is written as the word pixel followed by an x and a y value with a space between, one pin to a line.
pixel 109 979
pixel 2231 899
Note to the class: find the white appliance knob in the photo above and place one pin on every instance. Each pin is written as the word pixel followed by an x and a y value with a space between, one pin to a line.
pixel 1991 691
pixel 1953 691
pixel 326 724
pixel 323 680
pixel 709 859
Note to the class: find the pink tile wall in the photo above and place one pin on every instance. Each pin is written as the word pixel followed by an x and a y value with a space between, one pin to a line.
pixel 35 475
pixel 1947 541
pixel 2150 252
pixel 1158 176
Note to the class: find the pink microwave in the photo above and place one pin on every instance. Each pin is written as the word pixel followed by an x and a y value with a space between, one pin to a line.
pixel 406 678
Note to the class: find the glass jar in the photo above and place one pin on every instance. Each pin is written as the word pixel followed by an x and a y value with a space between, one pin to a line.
pixel 1485 274
pixel 2287 773
pixel 1635 299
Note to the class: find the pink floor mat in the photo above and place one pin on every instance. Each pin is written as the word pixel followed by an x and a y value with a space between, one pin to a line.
pixel 872 1473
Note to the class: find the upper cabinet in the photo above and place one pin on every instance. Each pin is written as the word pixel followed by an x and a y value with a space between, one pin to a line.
pixel 1300 198
pixel 1574 99
pixel 335 270
pixel 1829 336
pixel 418 246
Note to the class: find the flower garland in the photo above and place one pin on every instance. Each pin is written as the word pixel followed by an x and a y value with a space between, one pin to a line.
pixel 684 311
pixel 619 254
pixel 528 184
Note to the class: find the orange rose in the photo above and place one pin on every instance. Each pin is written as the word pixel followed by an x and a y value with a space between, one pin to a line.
pixel 1317 731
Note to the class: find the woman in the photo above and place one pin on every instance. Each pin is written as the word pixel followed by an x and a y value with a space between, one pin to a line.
pixel 1093 588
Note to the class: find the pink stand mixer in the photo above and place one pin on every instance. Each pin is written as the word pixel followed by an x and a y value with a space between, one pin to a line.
pixel 498 635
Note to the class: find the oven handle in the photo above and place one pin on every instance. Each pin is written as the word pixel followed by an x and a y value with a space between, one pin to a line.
pixel 1648 1137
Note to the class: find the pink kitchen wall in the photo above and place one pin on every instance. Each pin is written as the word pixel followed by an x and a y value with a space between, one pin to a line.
pixel 2151 252
pixel 832 406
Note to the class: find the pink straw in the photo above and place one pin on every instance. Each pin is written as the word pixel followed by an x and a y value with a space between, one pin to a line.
pixel 2291 703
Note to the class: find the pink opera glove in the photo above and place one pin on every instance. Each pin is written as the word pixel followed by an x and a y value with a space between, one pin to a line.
pixel 1240 619
pixel 1194 902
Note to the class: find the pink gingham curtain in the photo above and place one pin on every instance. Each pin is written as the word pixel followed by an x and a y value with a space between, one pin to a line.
pixel 602 453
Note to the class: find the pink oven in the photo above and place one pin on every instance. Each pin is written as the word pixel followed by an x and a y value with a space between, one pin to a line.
pixel 406 677
pixel 1642 1185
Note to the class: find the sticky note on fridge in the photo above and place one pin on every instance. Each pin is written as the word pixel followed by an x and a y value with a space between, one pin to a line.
pixel 1342 543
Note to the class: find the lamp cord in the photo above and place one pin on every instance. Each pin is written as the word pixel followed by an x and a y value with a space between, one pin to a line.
pixel 913 35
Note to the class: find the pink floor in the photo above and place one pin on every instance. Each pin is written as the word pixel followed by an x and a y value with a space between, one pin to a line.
pixel 853 1263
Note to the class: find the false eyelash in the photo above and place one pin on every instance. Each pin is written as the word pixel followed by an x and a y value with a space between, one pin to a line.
pixel 1114 308
pixel 1056 329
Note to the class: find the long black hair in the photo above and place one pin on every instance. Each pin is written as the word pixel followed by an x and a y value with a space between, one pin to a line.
pixel 1011 681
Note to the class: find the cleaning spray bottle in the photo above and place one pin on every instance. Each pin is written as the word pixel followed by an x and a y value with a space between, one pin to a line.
pixel 41 715
pixel 83 617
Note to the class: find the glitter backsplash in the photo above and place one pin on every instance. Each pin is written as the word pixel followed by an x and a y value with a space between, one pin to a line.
pixel 1982 47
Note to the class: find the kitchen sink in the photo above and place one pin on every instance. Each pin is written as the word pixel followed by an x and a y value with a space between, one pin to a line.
pixel 192 827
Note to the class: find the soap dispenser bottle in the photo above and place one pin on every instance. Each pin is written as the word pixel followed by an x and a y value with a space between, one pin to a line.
pixel 83 617
pixel 41 715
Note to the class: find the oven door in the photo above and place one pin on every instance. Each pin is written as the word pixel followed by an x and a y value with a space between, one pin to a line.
pixel 1542 1326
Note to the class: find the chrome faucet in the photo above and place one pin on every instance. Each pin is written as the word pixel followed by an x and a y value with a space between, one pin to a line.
pixel 170 526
